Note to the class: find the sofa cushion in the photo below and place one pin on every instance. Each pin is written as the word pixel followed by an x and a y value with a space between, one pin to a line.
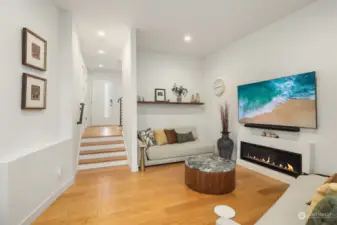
pixel 147 137
pixel 182 138
pixel 179 150
pixel 187 130
pixel 286 210
pixel 160 137
pixel 322 191
pixel 325 213
pixel 332 179
pixel 171 136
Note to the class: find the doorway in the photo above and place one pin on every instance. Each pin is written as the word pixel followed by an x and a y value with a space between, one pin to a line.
pixel 104 105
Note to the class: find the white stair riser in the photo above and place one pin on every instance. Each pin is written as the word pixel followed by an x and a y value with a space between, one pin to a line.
pixel 102 155
pixel 102 165
pixel 89 140
pixel 100 147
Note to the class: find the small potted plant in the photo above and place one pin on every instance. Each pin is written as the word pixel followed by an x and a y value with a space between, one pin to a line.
pixel 225 144
pixel 179 92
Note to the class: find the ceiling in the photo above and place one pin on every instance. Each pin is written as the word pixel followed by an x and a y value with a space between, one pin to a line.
pixel 213 24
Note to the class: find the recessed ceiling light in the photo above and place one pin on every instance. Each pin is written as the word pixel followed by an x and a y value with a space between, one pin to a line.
pixel 101 33
pixel 187 38
pixel 100 65
pixel 101 51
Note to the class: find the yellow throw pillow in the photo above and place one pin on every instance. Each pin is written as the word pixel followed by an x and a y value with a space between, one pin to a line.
pixel 160 137
pixel 322 191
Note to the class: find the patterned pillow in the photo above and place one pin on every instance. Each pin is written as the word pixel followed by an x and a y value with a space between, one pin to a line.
pixel 147 137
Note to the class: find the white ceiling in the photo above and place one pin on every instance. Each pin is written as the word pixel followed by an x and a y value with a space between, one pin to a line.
pixel 161 24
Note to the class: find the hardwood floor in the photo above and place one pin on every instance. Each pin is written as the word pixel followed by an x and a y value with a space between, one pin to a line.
pixel 102 131
pixel 157 197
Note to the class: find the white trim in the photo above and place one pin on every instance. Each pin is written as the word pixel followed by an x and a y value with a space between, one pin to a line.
pixel 47 202
pixel 101 147
pixel 102 165
pixel 102 155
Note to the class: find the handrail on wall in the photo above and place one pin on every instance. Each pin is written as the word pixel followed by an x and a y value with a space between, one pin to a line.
pixel 81 114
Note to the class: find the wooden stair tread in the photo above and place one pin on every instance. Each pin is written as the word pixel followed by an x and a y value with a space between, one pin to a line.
pixel 102 160
pixel 90 152
pixel 102 143
pixel 101 136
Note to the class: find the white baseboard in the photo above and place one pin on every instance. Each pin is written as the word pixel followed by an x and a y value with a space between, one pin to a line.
pixel 47 202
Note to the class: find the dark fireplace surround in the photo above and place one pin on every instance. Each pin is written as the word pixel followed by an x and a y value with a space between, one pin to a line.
pixel 279 160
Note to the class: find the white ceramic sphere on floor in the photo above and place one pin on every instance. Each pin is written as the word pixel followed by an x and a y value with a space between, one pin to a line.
pixel 224 221
pixel 224 211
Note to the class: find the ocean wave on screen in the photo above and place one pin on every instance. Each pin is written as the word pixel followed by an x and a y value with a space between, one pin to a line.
pixel 269 107
pixel 262 97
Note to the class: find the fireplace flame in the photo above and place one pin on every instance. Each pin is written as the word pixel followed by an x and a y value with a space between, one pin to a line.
pixel 269 161
pixel 290 167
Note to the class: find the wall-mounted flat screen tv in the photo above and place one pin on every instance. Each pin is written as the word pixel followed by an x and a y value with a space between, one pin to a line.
pixel 286 101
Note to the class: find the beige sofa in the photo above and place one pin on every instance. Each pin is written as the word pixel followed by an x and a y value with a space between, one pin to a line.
pixel 291 206
pixel 170 153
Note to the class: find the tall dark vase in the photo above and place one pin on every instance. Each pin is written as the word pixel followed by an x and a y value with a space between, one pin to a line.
pixel 225 146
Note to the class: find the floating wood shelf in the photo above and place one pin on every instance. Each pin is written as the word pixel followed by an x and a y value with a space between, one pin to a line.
pixel 168 103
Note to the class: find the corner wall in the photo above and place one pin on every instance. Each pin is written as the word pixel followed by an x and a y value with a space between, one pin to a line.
pixel 37 157
pixel 302 42
pixel 162 70
pixel 129 80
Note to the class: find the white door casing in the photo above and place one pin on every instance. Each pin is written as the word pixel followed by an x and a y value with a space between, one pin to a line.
pixel 103 103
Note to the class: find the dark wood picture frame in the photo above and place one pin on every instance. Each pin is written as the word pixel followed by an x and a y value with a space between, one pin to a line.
pixel 25 32
pixel 155 94
pixel 24 106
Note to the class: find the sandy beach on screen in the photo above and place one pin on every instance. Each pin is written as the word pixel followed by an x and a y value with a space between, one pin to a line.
pixel 295 112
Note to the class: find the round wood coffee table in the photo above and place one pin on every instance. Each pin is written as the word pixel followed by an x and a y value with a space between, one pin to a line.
pixel 210 175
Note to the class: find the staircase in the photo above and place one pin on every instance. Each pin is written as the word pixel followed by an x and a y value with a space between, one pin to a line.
pixel 99 152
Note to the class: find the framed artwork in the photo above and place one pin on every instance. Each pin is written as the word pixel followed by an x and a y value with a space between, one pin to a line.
pixel 159 95
pixel 34 92
pixel 34 50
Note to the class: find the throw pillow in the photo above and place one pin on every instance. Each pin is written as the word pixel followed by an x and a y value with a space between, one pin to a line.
pixel 332 179
pixel 160 137
pixel 325 212
pixel 171 136
pixel 182 138
pixel 322 191
pixel 147 137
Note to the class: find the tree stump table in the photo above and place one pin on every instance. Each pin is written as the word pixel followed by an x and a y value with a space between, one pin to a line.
pixel 210 175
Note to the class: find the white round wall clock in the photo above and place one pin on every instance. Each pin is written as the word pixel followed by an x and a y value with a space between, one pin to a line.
pixel 219 87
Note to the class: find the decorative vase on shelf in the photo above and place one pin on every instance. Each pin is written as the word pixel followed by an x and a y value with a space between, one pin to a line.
pixel 179 98
pixel 192 99
pixel 225 146
pixel 197 98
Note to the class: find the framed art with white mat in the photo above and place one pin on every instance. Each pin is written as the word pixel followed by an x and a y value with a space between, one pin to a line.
pixel 34 50
pixel 34 92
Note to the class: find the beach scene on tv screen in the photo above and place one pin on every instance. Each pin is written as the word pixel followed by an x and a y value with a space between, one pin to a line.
pixel 287 101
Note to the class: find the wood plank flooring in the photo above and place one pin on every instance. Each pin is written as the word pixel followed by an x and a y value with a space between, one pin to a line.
pixel 115 196
pixel 102 131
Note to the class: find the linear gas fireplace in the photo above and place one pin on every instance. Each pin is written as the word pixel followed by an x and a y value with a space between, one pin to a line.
pixel 282 161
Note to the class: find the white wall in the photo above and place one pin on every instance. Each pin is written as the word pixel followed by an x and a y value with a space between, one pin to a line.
pixel 115 77
pixel 302 42
pixel 37 157
pixel 160 70
pixel 129 80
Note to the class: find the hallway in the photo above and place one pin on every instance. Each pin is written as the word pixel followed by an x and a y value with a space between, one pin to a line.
pixel 102 146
